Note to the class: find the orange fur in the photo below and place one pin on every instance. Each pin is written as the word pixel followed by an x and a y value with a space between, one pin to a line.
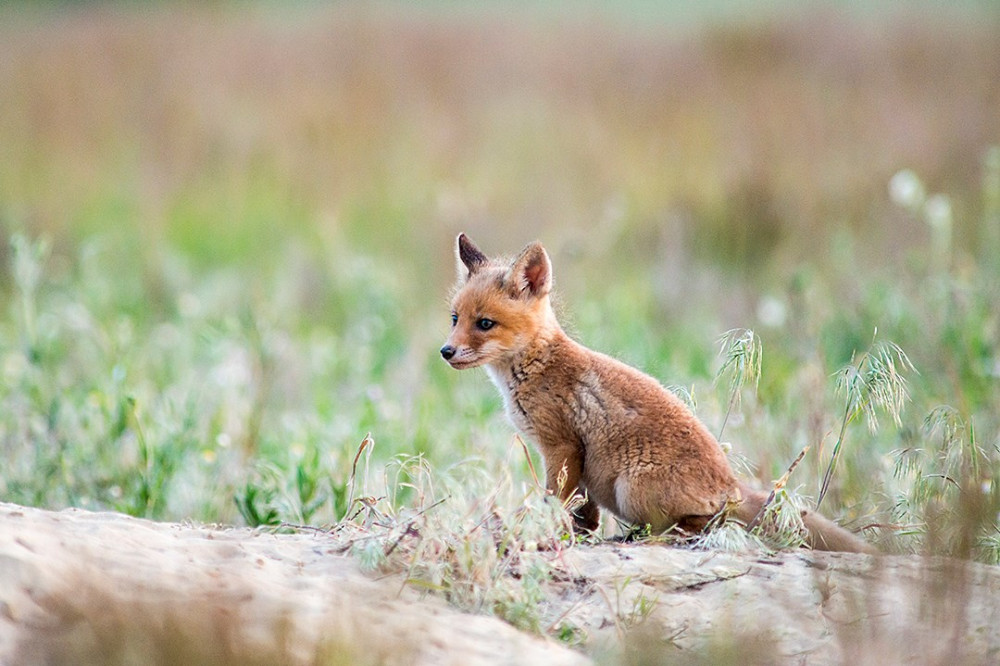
pixel 614 432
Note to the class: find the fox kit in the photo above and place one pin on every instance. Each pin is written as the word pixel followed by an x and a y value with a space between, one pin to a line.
pixel 612 432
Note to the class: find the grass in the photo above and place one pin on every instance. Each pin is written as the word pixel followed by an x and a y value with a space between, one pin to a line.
pixel 227 248
pixel 742 353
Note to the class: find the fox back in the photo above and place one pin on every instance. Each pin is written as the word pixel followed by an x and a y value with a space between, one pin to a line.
pixel 605 429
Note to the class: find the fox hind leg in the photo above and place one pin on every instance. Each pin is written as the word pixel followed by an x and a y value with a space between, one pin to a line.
pixel 643 502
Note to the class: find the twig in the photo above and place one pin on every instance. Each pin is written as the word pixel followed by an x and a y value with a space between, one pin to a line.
pixel 778 485
pixel 366 443
pixel 531 465
pixel 305 528
pixel 887 526
pixel 587 591
pixel 828 475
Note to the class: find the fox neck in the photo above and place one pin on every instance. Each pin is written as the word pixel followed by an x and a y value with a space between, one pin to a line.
pixel 533 347
pixel 531 359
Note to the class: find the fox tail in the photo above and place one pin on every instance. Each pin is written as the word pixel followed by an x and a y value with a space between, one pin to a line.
pixel 822 533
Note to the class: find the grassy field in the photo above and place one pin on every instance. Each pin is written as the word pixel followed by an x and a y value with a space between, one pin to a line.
pixel 227 249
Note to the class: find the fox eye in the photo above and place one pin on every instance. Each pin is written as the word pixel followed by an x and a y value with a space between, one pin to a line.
pixel 454 319
pixel 485 324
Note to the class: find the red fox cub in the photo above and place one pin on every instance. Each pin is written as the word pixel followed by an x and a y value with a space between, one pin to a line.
pixel 610 431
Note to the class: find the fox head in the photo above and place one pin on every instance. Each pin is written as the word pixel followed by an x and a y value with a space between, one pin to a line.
pixel 499 305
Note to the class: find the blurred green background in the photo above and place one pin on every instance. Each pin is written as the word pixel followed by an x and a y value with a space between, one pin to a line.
pixel 227 234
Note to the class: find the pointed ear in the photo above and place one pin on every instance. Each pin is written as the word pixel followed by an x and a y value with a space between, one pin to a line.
pixel 531 272
pixel 470 259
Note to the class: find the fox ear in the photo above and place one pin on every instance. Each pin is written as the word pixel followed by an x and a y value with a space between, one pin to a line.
pixel 531 272
pixel 470 259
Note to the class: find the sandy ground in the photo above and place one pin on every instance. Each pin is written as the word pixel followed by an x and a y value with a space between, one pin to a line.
pixel 81 587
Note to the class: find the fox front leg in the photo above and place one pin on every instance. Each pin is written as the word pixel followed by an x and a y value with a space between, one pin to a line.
pixel 562 479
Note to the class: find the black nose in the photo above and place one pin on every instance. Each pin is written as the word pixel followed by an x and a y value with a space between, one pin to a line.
pixel 447 352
